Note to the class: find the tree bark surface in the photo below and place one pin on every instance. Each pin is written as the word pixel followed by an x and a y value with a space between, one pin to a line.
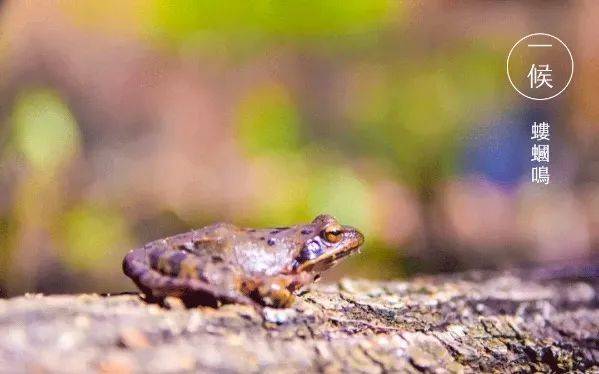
pixel 468 322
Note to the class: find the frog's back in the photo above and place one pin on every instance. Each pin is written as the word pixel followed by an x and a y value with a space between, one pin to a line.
pixel 196 264
pixel 267 252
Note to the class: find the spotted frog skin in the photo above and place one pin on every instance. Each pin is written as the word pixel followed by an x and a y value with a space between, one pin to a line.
pixel 223 263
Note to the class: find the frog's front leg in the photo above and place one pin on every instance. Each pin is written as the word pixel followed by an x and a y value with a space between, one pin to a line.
pixel 277 291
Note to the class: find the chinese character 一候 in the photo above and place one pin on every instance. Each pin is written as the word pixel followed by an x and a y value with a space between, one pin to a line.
pixel 539 76
pixel 540 174
pixel 540 131
pixel 540 152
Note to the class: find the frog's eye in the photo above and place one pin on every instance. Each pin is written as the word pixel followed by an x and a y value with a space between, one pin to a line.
pixel 332 233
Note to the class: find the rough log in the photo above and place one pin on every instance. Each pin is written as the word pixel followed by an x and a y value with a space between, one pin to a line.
pixel 470 322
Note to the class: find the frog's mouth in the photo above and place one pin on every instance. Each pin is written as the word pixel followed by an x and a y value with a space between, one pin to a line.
pixel 334 252
pixel 328 262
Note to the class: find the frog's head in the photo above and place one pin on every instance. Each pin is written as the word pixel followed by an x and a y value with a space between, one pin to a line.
pixel 327 243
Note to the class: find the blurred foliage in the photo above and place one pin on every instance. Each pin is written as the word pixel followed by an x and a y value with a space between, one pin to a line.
pixel 338 189
pixel 93 237
pixel 46 135
pixel 240 28
pixel 315 178
pixel 421 109
pixel 45 131
pixel 299 186
pixel 264 18
pixel 268 122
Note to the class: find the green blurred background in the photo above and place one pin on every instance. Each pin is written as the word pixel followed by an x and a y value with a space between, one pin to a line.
pixel 123 122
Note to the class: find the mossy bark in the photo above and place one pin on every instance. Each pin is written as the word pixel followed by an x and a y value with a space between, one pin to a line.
pixel 471 322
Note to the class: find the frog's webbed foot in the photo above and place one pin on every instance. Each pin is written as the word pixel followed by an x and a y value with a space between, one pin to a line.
pixel 275 295
pixel 276 292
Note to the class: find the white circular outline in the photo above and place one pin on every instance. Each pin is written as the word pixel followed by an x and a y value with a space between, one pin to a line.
pixel 537 98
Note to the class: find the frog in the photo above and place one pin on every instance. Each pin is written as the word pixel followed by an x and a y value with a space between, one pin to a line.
pixel 223 263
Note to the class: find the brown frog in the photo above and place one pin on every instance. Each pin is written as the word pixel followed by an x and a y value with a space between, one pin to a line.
pixel 223 263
